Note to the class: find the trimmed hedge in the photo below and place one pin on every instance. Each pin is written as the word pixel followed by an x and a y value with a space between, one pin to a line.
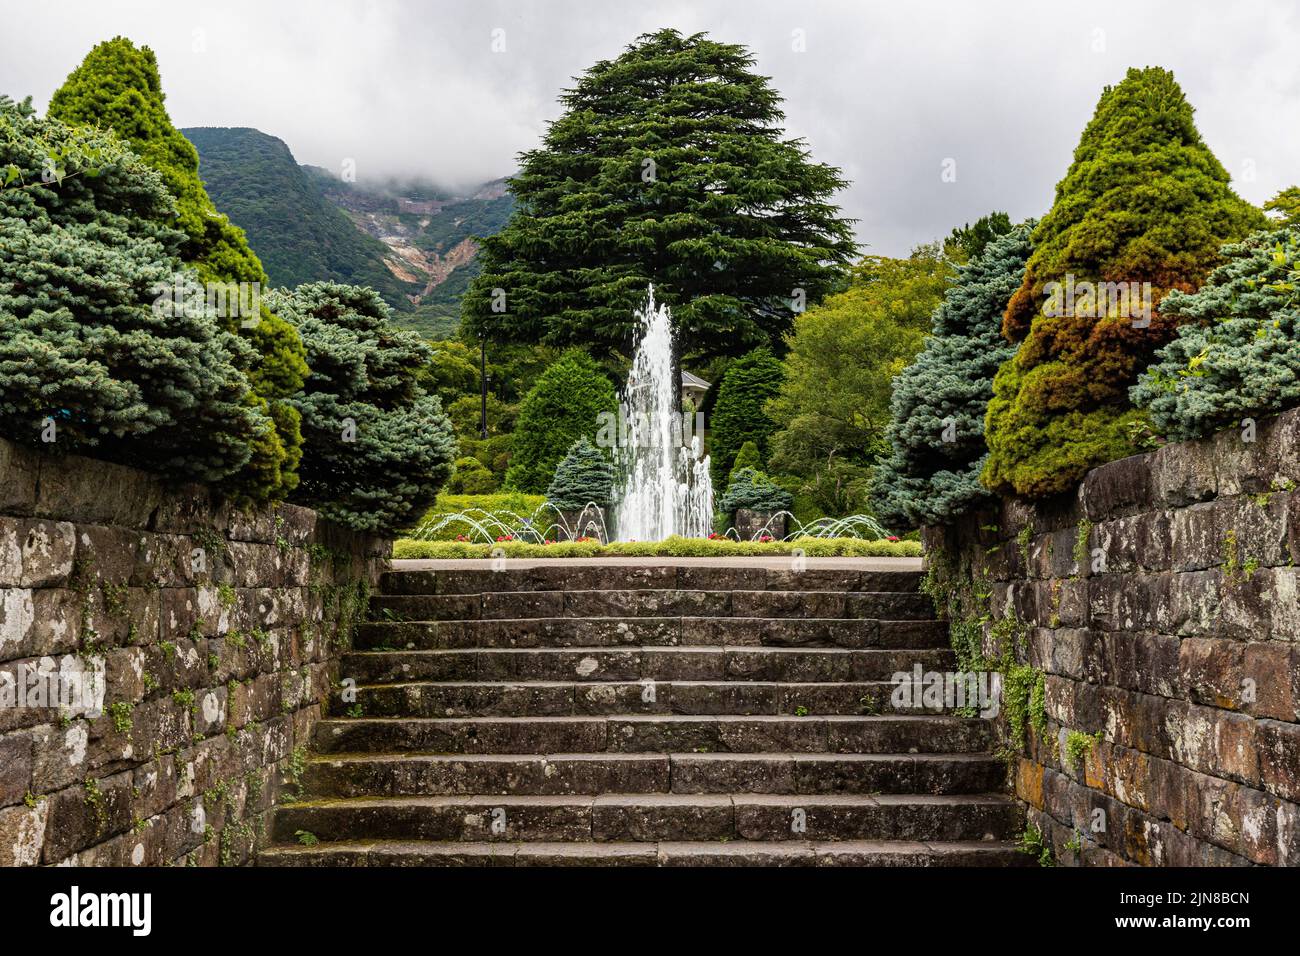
pixel 674 547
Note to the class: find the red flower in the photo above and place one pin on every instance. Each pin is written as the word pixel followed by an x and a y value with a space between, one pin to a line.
pixel 892 537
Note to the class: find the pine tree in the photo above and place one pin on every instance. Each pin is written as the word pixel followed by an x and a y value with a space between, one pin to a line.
pixel 377 446
pixel 1237 355
pixel 1144 201
pixel 738 414
pixel 92 358
pixel 565 404
pixel 669 166
pixel 118 86
pixel 584 476
pixel 936 430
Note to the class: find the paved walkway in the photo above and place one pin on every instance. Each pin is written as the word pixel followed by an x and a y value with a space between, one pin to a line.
pixel 766 561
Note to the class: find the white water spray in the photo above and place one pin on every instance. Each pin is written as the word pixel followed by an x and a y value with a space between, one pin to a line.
pixel 662 482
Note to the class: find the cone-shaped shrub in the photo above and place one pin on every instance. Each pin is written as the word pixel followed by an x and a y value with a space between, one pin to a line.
pixel 584 476
pixel 118 86
pixel 377 447
pixel 564 405
pixel 1144 201
pixel 936 429
pixel 1238 355
pixel 738 414
pixel 89 362
pixel 747 457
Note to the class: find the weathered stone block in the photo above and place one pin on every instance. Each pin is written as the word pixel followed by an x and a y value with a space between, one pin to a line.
pixel 1118 487
pixel 22 832
pixel 1279 758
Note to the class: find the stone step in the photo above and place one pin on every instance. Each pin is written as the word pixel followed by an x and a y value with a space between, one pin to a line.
pixel 623 631
pixel 654 734
pixel 654 817
pixel 601 576
pixel 639 663
pixel 658 602
pixel 553 774
pixel 857 853
pixel 561 698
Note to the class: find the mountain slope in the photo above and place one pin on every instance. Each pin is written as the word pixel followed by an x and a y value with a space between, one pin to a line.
pixel 429 235
pixel 299 235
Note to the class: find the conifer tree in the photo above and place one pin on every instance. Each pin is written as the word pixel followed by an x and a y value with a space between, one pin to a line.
pixel 584 476
pixel 739 415
pixel 565 404
pixel 669 166
pixel 1145 201
pixel 92 359
pixel 118 86
pixel 936 429
pixel 1237 353
pixel 377 446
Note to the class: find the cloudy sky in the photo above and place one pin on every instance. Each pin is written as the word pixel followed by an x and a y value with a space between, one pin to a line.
pixel 888 91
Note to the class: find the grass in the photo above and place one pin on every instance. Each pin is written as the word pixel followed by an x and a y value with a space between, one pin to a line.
pixel 671 547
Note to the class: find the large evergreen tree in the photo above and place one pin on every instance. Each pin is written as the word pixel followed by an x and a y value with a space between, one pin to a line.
pixel 1145 201
pixel 936 428
pixel 377 446
pixel 118 86
pixel 1238 355
pixel 91 360
pixel 668 166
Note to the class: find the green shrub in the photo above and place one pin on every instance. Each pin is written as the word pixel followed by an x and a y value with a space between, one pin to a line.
pixel 936 428
pixel 378 446
pixel 1238 355
pixel 564 405
pixel 1145 201
pixel 584 476
pixel 118 87
pixel 754 490
pixel 738 413
pixel 82 343
pixel 747 457
pixel 669 547
pixel 470 477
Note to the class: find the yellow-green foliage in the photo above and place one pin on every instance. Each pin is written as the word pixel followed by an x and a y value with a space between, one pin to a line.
pixel 670 547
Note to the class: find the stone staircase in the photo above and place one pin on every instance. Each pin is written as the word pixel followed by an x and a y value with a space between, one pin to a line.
pixel 650 714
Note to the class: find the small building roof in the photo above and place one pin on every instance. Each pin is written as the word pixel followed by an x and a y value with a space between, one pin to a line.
pixel 693 381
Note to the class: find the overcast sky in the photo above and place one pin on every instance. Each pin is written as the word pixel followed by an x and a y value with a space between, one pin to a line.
pixel 888 91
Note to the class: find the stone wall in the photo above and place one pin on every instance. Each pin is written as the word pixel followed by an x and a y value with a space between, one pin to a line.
pixel 213 633
pixel 1160 602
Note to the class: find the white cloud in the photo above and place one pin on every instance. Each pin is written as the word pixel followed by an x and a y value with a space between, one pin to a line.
pixel 887 91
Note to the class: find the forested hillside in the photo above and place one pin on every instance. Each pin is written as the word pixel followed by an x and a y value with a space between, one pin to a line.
pixel 412 243
pixel 299 235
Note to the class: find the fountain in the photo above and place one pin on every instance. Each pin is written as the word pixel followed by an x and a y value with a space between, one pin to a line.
pixel 662 484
